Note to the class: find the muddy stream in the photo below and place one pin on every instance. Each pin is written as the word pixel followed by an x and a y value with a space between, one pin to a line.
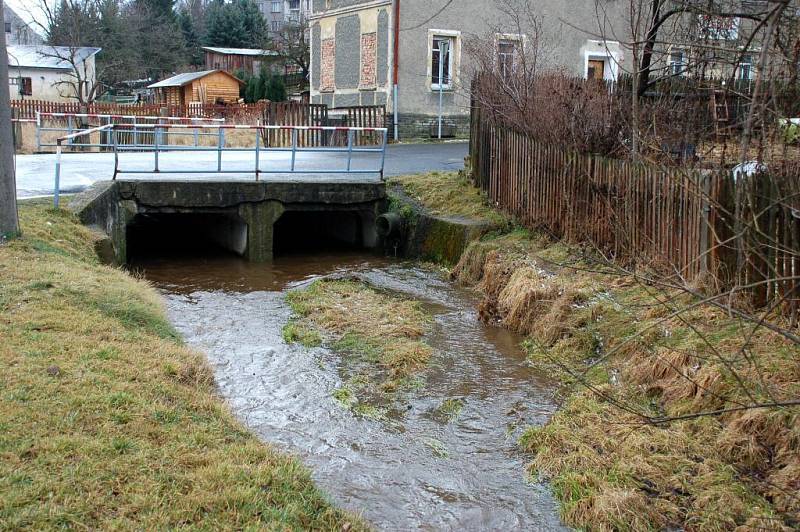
pixel 417 472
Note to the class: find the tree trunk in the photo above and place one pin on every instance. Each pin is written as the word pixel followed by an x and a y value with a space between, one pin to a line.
pixel 9 220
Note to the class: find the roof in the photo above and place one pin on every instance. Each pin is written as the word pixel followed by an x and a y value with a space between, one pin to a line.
pixel 180 80
pixel 52 57
pixel 240 51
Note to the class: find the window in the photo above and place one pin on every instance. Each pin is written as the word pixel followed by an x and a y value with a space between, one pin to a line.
pixel 442 62
pixel 26 87
pixel 746 67
pixel 677 63
pixel 276 25
pixel 506 57
pixel 8 27
pixel 276 7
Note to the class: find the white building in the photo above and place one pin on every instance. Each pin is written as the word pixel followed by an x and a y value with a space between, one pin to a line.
pixel 278 13
pixel 53 73
pixel 17 31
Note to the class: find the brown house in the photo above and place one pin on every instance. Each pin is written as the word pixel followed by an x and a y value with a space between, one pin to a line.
pixel 249 60
pixel 207 87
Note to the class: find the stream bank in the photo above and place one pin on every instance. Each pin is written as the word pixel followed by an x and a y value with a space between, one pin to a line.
pixel 627 352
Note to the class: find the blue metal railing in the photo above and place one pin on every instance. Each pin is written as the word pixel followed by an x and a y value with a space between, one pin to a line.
pixel 352 147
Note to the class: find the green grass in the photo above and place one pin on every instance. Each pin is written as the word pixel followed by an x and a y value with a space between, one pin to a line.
pixel 450 194
pixel 378 335
pixel 608 469
pixel 107 421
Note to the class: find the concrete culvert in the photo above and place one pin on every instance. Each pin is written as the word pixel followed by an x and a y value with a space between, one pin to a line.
pixel 389 225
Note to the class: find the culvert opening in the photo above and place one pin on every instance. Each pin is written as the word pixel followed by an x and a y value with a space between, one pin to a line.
pixel 157 235
pixel 315 231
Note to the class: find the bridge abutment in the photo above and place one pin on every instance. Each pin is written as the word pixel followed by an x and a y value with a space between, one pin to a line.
pixel 241 217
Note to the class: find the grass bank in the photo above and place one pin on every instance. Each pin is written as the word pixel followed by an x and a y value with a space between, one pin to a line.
pixel 624 352
pixel 378 334
pixel 107 420
pixel 449 194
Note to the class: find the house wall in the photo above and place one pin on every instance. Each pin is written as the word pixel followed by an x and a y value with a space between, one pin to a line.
pixel 48 84
pixel 232 63
pixel 339 51
pixel 20 33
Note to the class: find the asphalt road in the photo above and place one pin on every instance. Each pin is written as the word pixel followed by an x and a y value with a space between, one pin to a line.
pixel 35 173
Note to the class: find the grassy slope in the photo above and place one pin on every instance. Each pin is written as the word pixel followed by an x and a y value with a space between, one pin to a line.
pixel 449 194
pixel 106 420
pixel 380 334
pixel 608 470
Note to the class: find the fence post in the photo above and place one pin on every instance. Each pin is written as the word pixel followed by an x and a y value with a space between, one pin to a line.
pixel 294 147
pixel 705 222
pixel 349 148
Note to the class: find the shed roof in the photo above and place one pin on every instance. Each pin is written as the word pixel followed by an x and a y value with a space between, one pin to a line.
pixel 180 80
pixel 51 57
pixel 240 51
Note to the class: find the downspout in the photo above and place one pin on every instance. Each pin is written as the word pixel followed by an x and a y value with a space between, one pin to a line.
pixel 396 65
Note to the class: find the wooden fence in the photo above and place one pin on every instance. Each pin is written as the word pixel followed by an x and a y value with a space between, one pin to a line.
pixel 678 221
pixel 237 113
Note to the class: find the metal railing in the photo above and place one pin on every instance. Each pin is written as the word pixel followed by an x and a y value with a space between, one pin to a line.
pixel 350 149
pixel 139 133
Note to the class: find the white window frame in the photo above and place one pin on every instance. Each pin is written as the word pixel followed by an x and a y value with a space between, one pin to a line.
pixel 750 70
pixel 671 63
pixel 520 40
pixel 275 7
pixel 454 58
pixel 607 51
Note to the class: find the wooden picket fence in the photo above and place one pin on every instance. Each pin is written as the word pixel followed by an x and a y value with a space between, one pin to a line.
pixel 235 113
pixel 678 221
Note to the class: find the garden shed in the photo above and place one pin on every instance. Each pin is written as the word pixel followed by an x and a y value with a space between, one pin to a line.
pixel 207 87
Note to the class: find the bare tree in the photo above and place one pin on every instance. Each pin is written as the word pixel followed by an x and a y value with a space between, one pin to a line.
pixel 9 220
pixel 292 43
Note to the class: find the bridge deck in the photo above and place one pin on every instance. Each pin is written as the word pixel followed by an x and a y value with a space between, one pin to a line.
pixel 35 173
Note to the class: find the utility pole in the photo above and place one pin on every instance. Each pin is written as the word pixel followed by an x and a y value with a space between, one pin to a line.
pixel 9 219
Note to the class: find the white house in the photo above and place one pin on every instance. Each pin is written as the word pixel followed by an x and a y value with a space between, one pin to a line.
pixel 53 73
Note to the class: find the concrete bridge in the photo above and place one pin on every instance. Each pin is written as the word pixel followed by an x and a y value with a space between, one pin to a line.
pixel 248 218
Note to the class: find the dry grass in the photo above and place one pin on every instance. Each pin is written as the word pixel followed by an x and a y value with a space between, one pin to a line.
pixel 450 194
pixel 611 471
pixel 383 331
pixel 107 421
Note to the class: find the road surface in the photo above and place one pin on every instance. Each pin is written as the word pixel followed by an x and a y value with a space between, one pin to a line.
pixel 35 173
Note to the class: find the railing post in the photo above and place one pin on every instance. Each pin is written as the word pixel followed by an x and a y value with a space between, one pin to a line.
pixel 349 148
pixel 258 147
pixel 383 153
pixel 196 133
pixel 155 146
pixel 69 128
pixel 220 140
pixel 113 132
pixel 57 184
pixel 294 147
pixel 135 132
pixel 38 131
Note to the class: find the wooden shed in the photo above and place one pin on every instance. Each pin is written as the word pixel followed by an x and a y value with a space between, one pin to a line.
pixel 250 60
pixel 207 87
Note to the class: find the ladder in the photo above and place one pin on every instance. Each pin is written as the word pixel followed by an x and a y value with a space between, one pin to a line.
pixel 720 112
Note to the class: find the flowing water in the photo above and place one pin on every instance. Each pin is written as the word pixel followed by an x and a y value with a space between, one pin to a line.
pixel 419 471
